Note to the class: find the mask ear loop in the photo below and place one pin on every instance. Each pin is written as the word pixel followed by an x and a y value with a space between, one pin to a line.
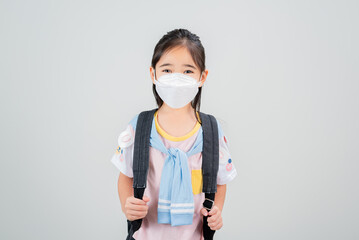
pixel 154 73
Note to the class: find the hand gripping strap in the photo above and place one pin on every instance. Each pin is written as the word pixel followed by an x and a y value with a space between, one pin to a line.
pixel 208 233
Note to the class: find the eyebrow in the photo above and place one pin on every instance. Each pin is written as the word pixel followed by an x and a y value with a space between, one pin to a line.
pixel 186 65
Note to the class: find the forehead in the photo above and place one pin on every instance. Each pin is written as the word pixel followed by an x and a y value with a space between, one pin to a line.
pixel 177 56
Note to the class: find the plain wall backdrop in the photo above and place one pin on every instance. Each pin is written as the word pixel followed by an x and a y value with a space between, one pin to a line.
pixel 283 81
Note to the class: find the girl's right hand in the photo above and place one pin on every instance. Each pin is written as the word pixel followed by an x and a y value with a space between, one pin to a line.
pixel 136 208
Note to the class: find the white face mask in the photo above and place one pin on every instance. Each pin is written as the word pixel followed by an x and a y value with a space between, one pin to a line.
pixel 177 89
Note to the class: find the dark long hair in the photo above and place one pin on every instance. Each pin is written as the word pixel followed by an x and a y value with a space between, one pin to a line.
pixel 180 37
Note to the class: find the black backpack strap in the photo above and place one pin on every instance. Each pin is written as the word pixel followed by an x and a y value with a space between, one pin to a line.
pixel 140 162
pixel 210 165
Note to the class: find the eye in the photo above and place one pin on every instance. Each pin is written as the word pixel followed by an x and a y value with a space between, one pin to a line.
pixel 166 70
pixel 189 70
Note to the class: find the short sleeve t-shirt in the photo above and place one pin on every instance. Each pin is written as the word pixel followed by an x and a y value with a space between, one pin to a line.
pixel 150 229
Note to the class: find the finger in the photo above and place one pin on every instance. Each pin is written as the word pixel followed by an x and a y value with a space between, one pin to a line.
pixel 218 226
pixel 133 217
pixel 145 198
pixel 137 201
pixel 210 219
pixel 213 217
pixel 214 210
pixel 138 207
pixel 136 213
pixel 204 212
pixel 130 217
pixel 214 221
pixel 133 213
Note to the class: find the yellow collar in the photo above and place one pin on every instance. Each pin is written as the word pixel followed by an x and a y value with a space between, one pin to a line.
pixel 173 138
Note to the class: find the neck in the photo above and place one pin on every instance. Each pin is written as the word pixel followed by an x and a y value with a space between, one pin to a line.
pixel 177 114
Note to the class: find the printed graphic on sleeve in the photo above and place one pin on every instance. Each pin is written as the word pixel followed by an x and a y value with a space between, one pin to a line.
pixel 123 156
pixel 126 138
pixel 229 165
pixel 227 170
pixel 119 151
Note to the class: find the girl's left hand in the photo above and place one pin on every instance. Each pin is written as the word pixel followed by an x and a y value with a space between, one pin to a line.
pixel 215 217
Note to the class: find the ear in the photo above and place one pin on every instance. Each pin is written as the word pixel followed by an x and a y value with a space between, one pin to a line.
pixel 152 74
pixel 204 77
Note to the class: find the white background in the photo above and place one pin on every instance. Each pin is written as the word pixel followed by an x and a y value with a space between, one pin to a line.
pixel 283 81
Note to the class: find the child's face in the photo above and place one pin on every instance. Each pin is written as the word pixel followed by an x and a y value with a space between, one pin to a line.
pixel 178 60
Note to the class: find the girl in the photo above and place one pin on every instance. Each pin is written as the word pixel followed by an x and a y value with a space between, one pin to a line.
pixel 178 72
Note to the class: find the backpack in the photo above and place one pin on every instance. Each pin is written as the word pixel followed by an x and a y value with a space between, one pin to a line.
pixel 210 164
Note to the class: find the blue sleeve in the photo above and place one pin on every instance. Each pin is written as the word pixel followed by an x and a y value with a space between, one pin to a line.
pixel 133 121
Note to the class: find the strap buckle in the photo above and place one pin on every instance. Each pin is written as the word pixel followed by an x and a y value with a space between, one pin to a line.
pixel 210 200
